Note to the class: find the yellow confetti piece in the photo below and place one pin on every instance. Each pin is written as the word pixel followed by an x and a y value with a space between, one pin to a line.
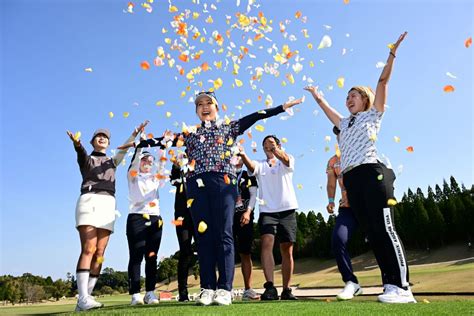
pixel 172 9
pixel 163 30
pixel 168 114
pixel 290 78
pixel 259 128
pixel 77 135
pixel 326 149
pixel 283 83
pixel 391 202
pixel 168 40
pixel 238 83
pixel 284 140
pixel 146 216
pixel 195 15
pixel 325 42
pixel 111 114
pixel 311 64
pixel 396 139
pixel 230 142
pixel 338 151
pixel 426 301
pixel 373 137
pixel 202 227
pixel 160 103
pixel 310 46
pixel 340 82
pixel 391 46
pixel 380 177
pixel 100 260
pixel 160 223
pixel 218 83
pixel 346 1
pixel 299 186
pixel 183 94
pixel 126 114
pixel 189 202
pixel 209 20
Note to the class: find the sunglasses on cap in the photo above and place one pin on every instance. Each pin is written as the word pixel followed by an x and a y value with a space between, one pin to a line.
pixel 211 93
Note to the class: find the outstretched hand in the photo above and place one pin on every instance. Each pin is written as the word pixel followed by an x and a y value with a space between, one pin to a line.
pixel 140 128
pixel 394 47
pixel 290 104
pixel 315 92
pixel 77 142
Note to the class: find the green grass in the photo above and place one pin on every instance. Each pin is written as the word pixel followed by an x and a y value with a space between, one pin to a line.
pixel 359 306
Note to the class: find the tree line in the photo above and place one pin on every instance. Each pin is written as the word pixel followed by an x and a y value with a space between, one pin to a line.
pixel 443 216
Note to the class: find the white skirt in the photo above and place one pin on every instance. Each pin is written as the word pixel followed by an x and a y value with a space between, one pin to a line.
pixel 96 210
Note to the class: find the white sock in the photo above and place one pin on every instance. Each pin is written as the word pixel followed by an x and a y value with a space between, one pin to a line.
pixel 91 284
pixel 82 278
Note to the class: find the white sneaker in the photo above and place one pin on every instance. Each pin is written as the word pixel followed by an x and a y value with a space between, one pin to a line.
pixel 150 298
pixel 250 295
pixel 205 297
pixel 350 290
pixel 136 299
pixel 394 294
pixel 222 297
pixel 87 302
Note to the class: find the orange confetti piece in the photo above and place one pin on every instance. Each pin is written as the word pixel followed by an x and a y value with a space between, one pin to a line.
pixel 205 66
pixel 133 173
pixel 410 149
pixel 346 1
pixel 149 136
pixel 224 107
pixel 448 88
pixel 298 14
pixel 192 165
pixel 151 254
pixel 152 204
pixel 145 65
pixel 226 179
pixel 468 42
pixel 184 58
pixel 177 222
pixel 159 176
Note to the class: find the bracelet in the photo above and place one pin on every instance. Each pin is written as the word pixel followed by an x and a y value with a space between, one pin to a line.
pixel 331 200
pixel 393 55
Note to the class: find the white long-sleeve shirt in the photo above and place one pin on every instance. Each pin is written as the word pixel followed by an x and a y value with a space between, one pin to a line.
pixel 143 188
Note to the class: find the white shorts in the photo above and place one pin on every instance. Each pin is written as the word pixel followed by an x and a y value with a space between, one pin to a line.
pixel 96 210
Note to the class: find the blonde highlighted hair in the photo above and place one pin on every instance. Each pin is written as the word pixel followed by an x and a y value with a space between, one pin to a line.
pixel 367 95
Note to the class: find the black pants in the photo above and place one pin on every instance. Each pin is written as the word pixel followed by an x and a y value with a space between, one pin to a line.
pixel 185 234
pixel 144 238
pixel 368 198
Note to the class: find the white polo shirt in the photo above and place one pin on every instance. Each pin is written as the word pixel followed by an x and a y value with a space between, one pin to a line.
pixel 357 139
pixel 275 184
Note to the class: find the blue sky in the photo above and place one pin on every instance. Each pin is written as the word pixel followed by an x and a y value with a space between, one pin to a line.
pixel 46 46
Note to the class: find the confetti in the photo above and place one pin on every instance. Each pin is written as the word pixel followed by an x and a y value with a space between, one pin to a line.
pixel 168 114
pixel 396 139
pixel 426 301
pixel 327 138
pixel 126 114
pixel 299 186
pixel 379 65
pixel 88 70
pixel 346 1
pixel 151 254
pixel 146 216
pixel 410 149
pixel 259 128
pixel 468 42
pixel 100 260
pixel 77 136
pixel 448 88
pixel 326 42
pixel 290 78
pixel 189 202
pixel 284 140
pixel 160 103
pixel 226 179
pixel 238 83
pixel 200 183
pixel 177 222
pixel 340 82
pixel 450 75
pixel 202 227
pixel 160 223
pixel 380 177
pixel 391 202
pixel 111 114
pixel 145 65
pixel 133 173
pixel 152 204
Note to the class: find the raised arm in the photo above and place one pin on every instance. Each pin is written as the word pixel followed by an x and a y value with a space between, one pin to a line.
pixel 80 150
pixel 122 151
pixel 249 120
pixel 247 162
pixel 330 112
pixel 382 85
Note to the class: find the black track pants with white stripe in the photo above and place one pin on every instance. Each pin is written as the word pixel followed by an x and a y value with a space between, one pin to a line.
pixel 369 187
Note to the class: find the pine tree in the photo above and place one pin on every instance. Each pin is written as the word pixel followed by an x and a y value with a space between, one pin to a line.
pixel 446 190
pixel 439 194
pixel 436 221
pixel 454 186
pixel 312 222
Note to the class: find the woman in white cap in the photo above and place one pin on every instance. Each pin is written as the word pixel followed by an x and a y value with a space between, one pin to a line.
pixel 212 190
pixel 95 210
pixel 368 181
pixel 144 225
